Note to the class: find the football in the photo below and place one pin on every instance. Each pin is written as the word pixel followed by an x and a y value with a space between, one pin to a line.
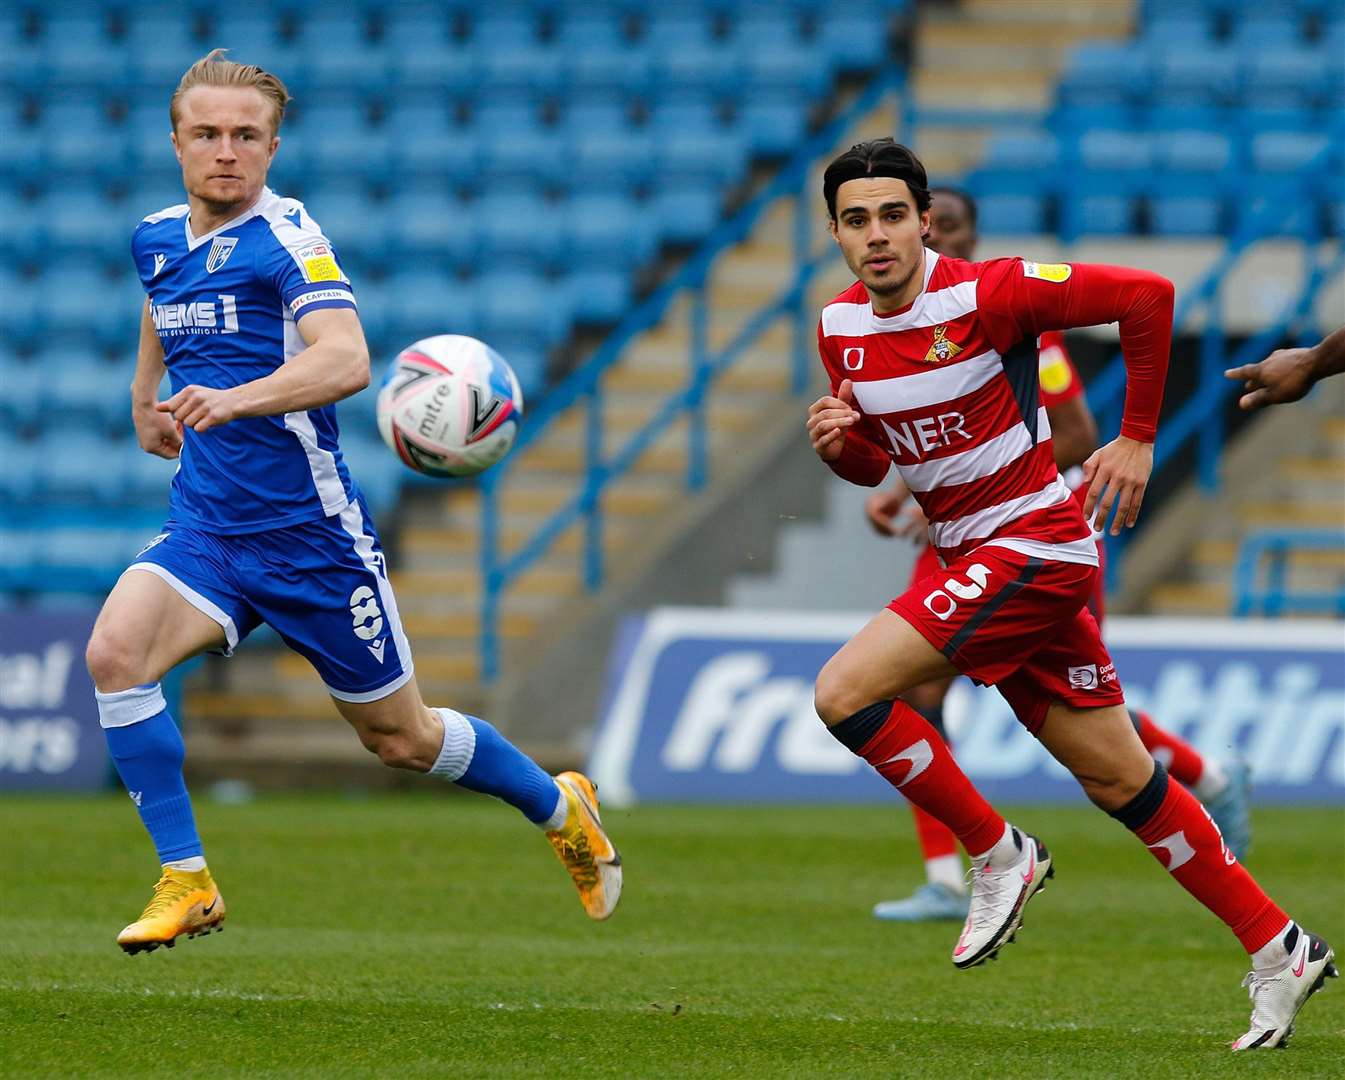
pixel 450 406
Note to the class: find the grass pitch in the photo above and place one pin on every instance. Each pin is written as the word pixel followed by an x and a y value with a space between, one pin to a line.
pixel 426 936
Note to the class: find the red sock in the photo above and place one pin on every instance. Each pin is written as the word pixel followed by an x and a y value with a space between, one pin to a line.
pixel 1181 835
pixel 911 756
pixel 1182 760
pixel 936 838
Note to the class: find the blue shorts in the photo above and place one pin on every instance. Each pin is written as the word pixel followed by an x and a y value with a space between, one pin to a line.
pixel 322 586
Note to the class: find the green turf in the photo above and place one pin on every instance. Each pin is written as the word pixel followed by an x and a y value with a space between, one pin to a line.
pixel 409 936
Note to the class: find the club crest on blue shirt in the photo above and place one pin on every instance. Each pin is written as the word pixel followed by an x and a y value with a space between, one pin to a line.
pixel 220 250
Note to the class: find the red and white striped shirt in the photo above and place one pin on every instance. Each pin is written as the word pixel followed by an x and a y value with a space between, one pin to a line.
pixel 948 389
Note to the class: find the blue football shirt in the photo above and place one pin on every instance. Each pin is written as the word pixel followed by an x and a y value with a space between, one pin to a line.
pixel 226 306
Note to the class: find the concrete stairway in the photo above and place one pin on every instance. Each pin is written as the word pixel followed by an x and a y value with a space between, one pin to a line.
pixel 1287 472
pixel 997 55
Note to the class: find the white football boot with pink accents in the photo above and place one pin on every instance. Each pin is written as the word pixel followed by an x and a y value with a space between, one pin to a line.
pixel 998 897
pixel 1277 997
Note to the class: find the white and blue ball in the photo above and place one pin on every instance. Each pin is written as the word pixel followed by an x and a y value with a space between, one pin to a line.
pixel 450 406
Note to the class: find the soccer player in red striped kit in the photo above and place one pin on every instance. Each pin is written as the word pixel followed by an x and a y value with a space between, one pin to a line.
pixel 1220 786
pixel 932 364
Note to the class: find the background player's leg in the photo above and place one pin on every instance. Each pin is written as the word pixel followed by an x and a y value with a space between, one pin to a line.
pixel 144 630
pixel 1100 747
pixel 407 734
pixel 943 896
pixel 856 697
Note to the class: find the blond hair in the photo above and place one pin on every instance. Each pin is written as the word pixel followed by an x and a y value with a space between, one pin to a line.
pixel 214 70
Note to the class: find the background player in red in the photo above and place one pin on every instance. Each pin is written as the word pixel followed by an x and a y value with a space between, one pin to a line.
pixel 933 366
pixel 1223 790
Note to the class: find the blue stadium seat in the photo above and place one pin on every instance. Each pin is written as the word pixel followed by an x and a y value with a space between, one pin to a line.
pixel 1289 77
pixel 795 68
pixel 1012 214
pixel 21 157
pixel 773 121
pixel 1186 206
pixel 710 158
pixel 357 227
pixel 510 156
pixel 144 478
pixel 1268 31
pixel 594 116
pixel 1108 151
pixel 74 465
pixel 20 228
pixel 339 141
pixel 1286 151
pixel 599 295
pixel 607 74
pixel 428 144
pixel 79 138
pixel 610 161
pixel 496 24
pixel 518 231
pixel 527 304
pixel 431 226
pixel 425 61
pixel 694 110
pixel 96 394
pixel 422 302
pixel 527 355
pixel 1022 150
pixel 856 37
pixel 1191 28
pixel 23 62
pixel 338 54
pixel 79 559
pixel 1185 76
pixel 1163 117
pixel 84 221
pixel 255 39
pixel 160 46
pixel 714 66
pixel 675 29
pixel 1108 74
pixel 581 29
pixel 1093 205
pixel 606 232
pixel 514 72
pixel 686 212
pixel 21 313
pixel 376 470
pixel 25 395
pixel 78 53
pixel 1193 151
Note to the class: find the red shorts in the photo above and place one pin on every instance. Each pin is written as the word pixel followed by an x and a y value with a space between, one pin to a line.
pixel 927 563
pixel 1019 624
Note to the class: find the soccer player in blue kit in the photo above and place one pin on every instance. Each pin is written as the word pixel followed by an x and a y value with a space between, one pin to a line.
pixel 256 323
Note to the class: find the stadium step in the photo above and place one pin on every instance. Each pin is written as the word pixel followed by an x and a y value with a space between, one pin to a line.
pixel 1191 598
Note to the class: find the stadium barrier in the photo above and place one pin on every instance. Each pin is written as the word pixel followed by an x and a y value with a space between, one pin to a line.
pixel 708 705
pixel 1275 547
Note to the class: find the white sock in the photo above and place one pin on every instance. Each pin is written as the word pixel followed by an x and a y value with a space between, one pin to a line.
pixel 1006 851
pixel 1212 780
pixel 195 863
pixel 946 870
pixel 458 747
pixel 559 814
pixel 1273 956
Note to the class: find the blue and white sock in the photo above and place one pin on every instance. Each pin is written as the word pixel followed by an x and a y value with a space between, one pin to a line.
pixel 476 756
pixel 148 751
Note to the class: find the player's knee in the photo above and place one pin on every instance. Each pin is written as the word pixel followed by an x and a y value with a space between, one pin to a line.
pixel 1110 790
pixel 113 663
pixel 397 751
pixel 835 698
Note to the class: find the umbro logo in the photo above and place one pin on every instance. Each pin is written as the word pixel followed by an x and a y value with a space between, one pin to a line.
pixel 159 259
pixel 220 250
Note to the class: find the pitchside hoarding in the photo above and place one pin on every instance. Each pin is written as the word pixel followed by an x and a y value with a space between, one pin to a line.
pixel 49 733
pixel 709 705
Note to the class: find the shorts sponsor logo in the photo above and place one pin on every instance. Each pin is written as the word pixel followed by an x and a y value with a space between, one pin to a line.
pixel 220 250
pixel 367 616
pixel 319 295
pixel 942 606
pixel 1106 673
pixel 153 543
pixel 852 359
pixel 1056 272
pixel 1085 677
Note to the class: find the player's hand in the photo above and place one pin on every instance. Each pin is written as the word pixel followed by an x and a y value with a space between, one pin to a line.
pixel 157 434
pixel 200 407
pixel 828 420
pixel 1117 475
pixel 881 508
pixel 1285 375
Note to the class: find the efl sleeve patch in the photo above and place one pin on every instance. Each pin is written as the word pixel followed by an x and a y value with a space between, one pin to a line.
pixel 319 263
pixel 1056 272
pixel 1055 372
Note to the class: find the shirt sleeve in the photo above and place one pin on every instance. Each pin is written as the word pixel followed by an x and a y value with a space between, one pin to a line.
pixel 1060 381
pixel 303 267
pixel 1017 298
pixel 863 459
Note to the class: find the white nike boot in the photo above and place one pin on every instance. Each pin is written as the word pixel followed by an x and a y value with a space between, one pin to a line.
pixel 1277 996
pixel 998 896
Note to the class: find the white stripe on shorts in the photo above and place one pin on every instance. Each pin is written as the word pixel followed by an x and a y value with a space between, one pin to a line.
pixel 195 599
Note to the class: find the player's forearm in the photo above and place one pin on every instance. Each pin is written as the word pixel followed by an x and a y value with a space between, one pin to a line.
pixel 322 374
pixel 149 365
pixel 1328 355
pixel 1073 432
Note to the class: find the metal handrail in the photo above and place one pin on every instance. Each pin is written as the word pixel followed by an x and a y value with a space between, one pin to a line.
pixel 583 386
pixel 1275 598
